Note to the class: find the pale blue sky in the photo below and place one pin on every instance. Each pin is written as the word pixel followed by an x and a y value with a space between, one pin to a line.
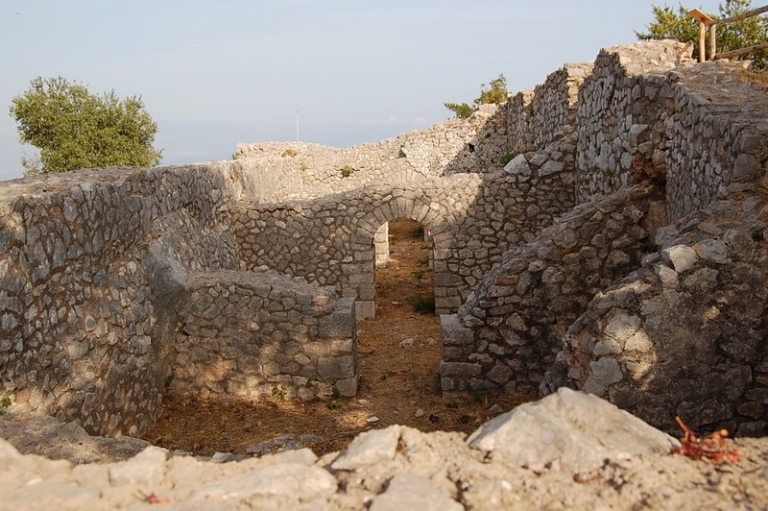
pixel 216 73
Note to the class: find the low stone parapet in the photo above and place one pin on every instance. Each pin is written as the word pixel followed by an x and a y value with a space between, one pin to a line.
pixel 246 335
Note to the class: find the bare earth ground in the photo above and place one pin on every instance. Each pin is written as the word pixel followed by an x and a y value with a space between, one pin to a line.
pixel 398 385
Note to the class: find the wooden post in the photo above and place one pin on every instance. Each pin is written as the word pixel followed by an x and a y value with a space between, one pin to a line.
pixel 704 21
pixel 712 41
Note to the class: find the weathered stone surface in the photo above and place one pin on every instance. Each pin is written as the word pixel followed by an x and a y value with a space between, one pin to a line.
pixel 576 431
pixel 96 266
pixel 691 337
pixel 411 491
pixel 369 448
pixel 295 481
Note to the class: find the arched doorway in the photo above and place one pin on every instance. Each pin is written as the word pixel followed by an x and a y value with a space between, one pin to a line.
pixel 399 348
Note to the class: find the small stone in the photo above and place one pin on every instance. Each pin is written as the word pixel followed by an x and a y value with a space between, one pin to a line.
pixel 495 408
pixel 682 257
pixel 407 343
pixel 221 457
pixel 372 420
pixel 418 413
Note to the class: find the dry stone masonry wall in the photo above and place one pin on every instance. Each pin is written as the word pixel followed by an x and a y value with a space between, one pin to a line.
pixel 246 335
pixel 76 334
pixel 470 221
pixel 506 335
pixel 112 281
pixel 684 335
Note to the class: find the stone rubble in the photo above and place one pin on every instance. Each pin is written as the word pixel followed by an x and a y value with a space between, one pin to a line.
pixel 574 451
pixel 683 335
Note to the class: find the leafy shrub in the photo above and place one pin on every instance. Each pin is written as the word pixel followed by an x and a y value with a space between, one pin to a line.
pixel 423 304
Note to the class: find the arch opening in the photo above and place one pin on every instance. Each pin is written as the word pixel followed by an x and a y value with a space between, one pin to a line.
pixel 399 349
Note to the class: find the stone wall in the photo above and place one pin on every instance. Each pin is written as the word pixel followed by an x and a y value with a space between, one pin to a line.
pixel 623 107
pixel 100 271
pixel 77 330
pixel 281 171
pixel 685 334
pixel 506 335
pixel 471 220
pixel 244 335
pixel 648 113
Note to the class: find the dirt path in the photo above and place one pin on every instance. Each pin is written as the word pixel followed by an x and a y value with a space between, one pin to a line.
pixel 399 356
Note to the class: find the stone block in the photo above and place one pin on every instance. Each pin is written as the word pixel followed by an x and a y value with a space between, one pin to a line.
pixel 460 369
pixel 365 309
pixel 454 333
pixel 340 323
pixel 337 368
pixel 347 387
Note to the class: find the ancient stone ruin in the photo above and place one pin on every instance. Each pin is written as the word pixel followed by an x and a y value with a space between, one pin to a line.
pixel 604 231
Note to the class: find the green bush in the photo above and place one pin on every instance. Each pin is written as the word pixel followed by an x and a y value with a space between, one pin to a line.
pixel 423 304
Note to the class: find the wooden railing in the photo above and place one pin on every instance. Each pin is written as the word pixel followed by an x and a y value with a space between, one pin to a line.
pixel 707 22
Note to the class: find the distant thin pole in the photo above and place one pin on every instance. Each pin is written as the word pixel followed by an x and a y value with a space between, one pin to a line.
pixel 297 125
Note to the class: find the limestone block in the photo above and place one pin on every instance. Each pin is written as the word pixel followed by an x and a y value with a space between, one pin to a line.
pixel 454 333
pixel 347 387
pixel 574 430
pixel 369 448
pixel 459 369
pixel 682 257
pixel 147 467
pixel 341 323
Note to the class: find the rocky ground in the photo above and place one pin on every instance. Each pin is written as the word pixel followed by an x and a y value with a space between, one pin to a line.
pixel 568 451
pixel 399 357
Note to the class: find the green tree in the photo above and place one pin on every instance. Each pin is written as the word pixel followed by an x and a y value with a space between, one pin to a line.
pixel 495 93
pixel 462 110
pixel 668 24
pixel 75 129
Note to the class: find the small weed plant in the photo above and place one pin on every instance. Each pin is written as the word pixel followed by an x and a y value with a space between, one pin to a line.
pixel 347 171
pixel 279 392
pixel 335 402
pixel 423 304
pixel 290 152
pixel 506 158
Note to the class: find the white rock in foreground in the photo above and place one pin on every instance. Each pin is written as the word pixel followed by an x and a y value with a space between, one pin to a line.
pixel 578 431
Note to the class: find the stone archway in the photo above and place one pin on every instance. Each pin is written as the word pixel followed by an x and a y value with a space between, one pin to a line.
pixel 412 207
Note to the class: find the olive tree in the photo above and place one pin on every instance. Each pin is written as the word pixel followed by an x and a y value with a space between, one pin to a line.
pixel 76 129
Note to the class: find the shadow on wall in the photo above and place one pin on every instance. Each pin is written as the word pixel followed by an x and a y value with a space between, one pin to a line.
pixel 685 334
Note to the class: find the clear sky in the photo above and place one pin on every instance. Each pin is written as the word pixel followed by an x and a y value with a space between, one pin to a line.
pixel 216 73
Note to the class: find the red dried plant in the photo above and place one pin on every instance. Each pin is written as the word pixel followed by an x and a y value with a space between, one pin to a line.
pixel 711 447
